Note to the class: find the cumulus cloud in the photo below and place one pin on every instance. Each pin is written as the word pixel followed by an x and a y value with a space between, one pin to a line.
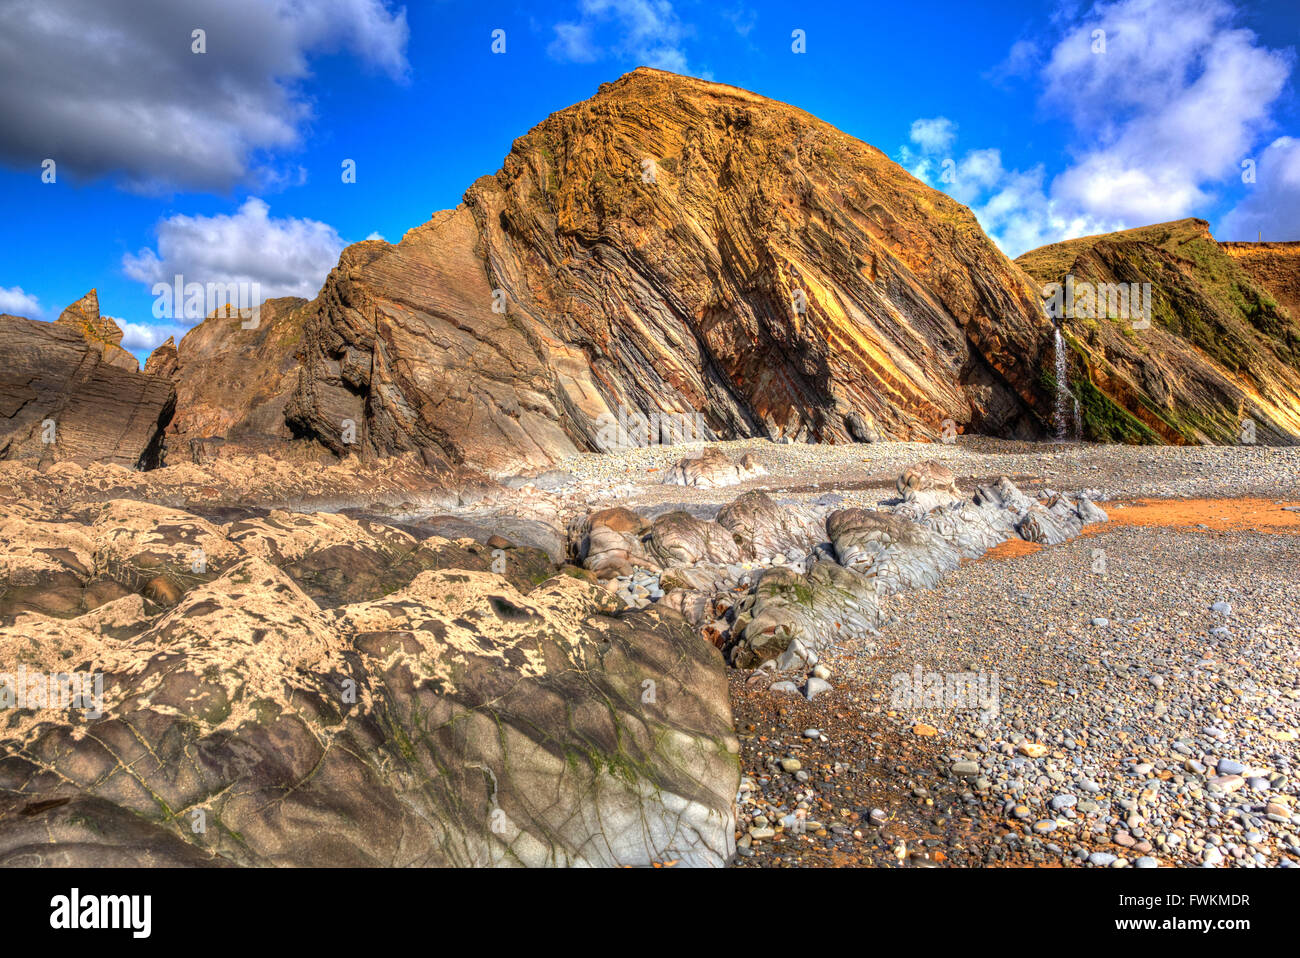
pixel 18 303
pixel 1167 110
pixel 1163 98
pixel 139 338
pixel 113 87
pixel 1012 206
pixel 285 257
pixel 646 32
pixel 1271 209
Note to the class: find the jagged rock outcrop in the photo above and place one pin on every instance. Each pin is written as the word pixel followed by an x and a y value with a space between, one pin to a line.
pixel 438 716
pixel 1222 348
pixel 673 247
pixel 69 392
pixel 163 361
pixel 794 579
pixel 100 331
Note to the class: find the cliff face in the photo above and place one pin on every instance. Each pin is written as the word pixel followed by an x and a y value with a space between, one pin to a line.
pixel 67 393
pixel 233 378
pixel 673 246
pixel 1223 347
pixel 1275 267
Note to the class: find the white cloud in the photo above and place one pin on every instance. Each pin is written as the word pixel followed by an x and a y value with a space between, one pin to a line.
pixel 112 87
pixel 1012 206
pixel 286 257
pixel 743 18
pixel 646 32
pixel 935 135
pixel 1166 112
pixel 14 301
pixel 1159 122
pixel 1271 208
pixel 137 337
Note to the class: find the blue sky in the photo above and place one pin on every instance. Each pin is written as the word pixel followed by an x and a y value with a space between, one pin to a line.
pixel 226 165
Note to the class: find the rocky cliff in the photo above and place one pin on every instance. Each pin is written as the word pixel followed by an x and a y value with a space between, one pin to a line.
pixel 673 247
pixel 1274 266
pixel 100 331
pixel 233 376
pixel 68 391
pixel 1221 360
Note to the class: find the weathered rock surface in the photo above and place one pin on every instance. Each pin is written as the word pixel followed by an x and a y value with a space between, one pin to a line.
pixel 672 247
pixel 682 539
pixel 68 392
pixel 1222 348
pixel 712 469
pixel 610 542
pixel 234 373
pixel 762 528
pixel 449 719
pixel 806 612
pixel 891 551
pixel 101 332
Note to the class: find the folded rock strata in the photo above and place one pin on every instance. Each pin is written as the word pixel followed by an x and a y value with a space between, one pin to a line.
pixel 1222 346
pixel 678 250
pixel 892 552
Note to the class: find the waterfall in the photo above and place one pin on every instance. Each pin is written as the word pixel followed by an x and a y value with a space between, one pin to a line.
pixel 1063 397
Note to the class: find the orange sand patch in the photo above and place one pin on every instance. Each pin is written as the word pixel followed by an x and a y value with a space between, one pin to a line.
pixel 1012 549
pixel 1261 515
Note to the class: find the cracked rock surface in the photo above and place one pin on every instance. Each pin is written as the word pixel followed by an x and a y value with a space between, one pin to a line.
pixel 330 691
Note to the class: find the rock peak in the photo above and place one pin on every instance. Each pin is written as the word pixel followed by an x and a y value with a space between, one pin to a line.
pixel 98 330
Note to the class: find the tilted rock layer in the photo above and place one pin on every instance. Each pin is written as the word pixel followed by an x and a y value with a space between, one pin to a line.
pixel 1224 342
pixel 69 392
pixel 234 373
pixel 673 247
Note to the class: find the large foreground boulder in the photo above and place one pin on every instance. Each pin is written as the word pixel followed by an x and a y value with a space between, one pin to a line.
pixel 456 719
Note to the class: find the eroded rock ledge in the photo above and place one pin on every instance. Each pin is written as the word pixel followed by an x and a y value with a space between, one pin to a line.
pixel 295 689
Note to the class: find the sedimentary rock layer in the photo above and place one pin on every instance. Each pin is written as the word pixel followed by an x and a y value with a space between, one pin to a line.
pixel 68 392
pixel 1221 359
pixel 674 247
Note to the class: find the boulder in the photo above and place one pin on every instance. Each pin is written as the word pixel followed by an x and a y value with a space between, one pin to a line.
pixel 67 396
pixel 764 528
pixel 712 469
pixel 679 538
pixel 893 552
pixel 829 604
pixel 453 722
